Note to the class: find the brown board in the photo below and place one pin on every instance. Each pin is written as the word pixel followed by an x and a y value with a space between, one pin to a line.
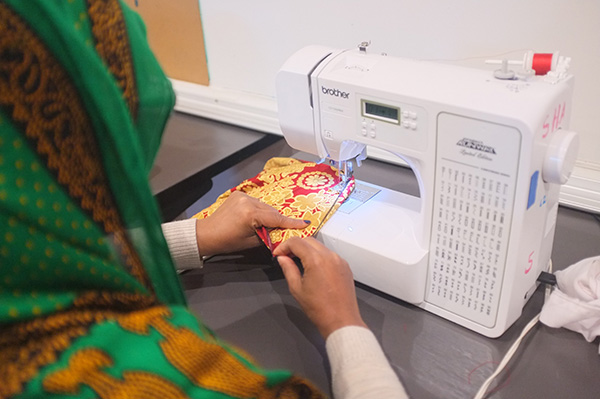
pixel 175 35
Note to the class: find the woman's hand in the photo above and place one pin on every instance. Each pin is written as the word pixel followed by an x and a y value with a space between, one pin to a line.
pixel 232 227
pixel 326 289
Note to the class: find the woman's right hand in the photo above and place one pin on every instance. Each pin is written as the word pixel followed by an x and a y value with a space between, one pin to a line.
pixel 325 290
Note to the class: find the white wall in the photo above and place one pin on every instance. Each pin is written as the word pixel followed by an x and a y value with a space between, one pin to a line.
pixel 247 41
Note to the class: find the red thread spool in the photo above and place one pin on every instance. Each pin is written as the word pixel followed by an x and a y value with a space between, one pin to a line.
pixel 542 63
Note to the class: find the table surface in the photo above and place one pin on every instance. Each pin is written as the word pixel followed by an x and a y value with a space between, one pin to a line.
pixel 246 301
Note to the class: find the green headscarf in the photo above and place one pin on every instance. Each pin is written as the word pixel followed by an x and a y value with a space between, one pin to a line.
pixel 74 145
pixel 90 304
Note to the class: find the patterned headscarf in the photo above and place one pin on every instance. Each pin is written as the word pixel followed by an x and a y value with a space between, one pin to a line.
pixel 90 304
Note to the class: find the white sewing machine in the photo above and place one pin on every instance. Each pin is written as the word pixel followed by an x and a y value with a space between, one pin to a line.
pixel 489 153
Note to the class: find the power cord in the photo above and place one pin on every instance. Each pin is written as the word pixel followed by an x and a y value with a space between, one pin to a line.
pixel 550 280
pixel 547 278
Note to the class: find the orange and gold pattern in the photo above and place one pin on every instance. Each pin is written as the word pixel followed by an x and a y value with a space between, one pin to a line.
pixel 74 159
pixel 203 360
pixel 86 367
pixel 297 189
pixel 112 44
pixel 30 345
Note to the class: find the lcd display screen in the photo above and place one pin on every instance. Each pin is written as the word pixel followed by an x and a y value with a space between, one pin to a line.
pixel 383 112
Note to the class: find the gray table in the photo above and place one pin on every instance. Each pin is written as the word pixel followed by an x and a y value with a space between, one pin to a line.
pixel 246 301
pixel 191 153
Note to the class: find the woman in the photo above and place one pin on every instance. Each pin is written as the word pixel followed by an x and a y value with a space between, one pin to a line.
pixel 90 305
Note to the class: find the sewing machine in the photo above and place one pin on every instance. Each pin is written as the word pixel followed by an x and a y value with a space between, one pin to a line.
pixel 489 149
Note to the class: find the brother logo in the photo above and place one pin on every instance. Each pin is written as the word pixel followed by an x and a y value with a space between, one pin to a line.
pixel 334 92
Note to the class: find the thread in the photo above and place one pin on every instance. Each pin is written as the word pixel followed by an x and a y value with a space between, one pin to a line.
pixel 542 63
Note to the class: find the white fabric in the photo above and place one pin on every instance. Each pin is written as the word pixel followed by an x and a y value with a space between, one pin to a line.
pixel 575 301
pixel 359 368
pixel 181 239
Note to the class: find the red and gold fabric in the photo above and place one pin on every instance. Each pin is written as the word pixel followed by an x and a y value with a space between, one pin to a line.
pixel 297 189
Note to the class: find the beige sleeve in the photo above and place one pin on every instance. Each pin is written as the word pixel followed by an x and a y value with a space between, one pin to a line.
pixel 181 239
pixel 359 368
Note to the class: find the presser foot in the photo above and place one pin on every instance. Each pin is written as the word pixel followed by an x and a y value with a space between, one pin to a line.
pixel 345 169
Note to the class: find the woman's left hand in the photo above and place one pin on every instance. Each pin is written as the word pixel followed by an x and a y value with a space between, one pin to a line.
pixel 232 227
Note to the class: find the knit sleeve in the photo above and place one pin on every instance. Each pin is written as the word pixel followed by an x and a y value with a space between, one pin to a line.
pixel 359 368
pixel 181 239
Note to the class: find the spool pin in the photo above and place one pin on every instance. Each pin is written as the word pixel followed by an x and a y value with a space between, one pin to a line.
pixel 551 65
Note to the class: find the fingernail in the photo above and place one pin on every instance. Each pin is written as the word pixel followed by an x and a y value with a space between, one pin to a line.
pixel 307 221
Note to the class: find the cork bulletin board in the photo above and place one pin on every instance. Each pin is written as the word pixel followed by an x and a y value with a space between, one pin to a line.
pixel 175 35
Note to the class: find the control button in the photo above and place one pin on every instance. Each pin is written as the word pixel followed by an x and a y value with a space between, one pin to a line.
pixel 413 125
pixel 406 124
pixel 405 114
pixel 372 133
pixel 561 155
pixel 364 124
pixel 363 131
pixel 412 115
pixel 533 183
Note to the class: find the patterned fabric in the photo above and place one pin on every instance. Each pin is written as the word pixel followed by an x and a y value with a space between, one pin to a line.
pixel 90 304
pixel 297 189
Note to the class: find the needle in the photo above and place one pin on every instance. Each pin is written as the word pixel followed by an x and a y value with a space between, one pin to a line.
pixel 342 189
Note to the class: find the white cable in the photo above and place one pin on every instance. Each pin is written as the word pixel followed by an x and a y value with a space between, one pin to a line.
pixel 513 349
pixel 509 354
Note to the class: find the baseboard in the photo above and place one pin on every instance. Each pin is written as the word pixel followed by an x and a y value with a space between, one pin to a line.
pixel 257 112
pixel 234 107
